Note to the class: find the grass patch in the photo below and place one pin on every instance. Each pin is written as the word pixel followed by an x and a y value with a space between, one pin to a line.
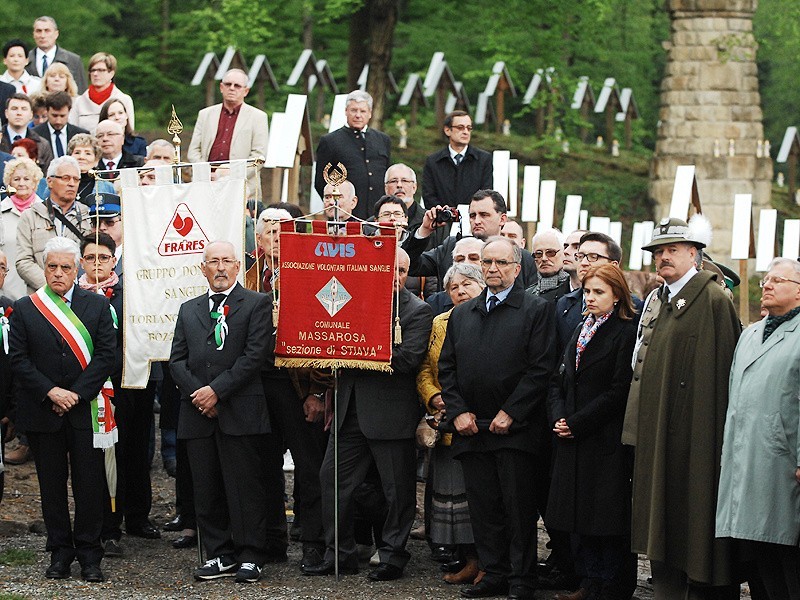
pixel 16 557
pixel 4 596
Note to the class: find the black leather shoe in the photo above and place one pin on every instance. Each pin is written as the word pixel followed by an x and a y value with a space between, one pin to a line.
pixel 92 573
pixel 453 566
pixel 58 569
pixel 185 541
pixel 312 556
pixel 442 554
pixel 326 567
pixel 386 572
pixel 146 530
pixel 485 589
pixel 521 593
pixel 177 524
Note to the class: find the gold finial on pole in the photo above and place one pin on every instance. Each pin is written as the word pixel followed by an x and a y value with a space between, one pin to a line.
pixel 335 176
pixel 175 127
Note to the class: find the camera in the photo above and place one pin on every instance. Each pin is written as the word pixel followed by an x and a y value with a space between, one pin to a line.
pixel 448 214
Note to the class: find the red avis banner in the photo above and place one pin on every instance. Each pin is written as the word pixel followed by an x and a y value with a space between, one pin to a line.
pixel 335 306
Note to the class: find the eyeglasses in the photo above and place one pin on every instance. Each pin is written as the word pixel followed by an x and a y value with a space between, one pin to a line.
pixel 101 258
pixel 500 262
pixel 550 253
pixel 403 181
pixel 67 178
pixel 230 84
pixel 108 222
pixel 472 258
pixel 461 127
pixel 95 70
pixel 100 136
pixel 398 214
pixel 775 280
pixel 216 262
pixel 53 267
pixel 590 256
pixel 3 269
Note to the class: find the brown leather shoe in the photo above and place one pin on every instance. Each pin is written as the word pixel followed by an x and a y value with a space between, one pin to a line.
pixel 478 577
pixel 19 455
pixel 579 594
pixel 465 575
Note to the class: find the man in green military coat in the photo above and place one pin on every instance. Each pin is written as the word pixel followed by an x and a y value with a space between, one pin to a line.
pixel 675 418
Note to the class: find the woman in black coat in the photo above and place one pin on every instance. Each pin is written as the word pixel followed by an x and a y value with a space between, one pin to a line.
pixel 590 492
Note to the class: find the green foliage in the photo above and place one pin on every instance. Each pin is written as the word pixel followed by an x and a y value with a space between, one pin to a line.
pixel 16 557
pixel 4 596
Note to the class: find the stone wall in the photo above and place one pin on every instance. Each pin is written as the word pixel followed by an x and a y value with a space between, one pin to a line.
pixel 709 96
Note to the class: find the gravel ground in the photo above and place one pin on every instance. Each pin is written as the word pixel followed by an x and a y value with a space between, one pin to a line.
pixel 153 569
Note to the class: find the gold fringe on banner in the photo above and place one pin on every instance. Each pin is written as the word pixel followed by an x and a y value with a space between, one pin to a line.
pixel 332 363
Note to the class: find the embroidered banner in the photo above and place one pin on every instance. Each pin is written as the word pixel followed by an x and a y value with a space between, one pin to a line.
pixel 166 228
pixel 335 306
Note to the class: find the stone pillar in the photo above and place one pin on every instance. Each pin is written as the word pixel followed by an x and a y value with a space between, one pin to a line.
pixel 709 96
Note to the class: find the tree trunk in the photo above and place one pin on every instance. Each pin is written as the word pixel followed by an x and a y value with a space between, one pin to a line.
pixel 357 55
pixel 308 25
pixel 382 22
pixel 163 55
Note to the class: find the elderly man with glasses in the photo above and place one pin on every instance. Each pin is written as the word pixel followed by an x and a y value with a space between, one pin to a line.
pixel 59 215
pixel 494 371
pixel 548 251
pixel 759 490
pixel 231 130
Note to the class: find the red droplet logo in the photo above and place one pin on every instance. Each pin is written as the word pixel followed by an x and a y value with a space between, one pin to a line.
pixel 182 225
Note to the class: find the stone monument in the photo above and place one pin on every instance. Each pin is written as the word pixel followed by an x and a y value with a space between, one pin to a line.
pixel 710 99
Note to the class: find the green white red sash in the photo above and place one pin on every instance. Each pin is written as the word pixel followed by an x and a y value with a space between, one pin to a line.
pixel 63 318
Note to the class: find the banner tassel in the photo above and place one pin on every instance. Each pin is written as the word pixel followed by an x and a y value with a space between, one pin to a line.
pixel 398 332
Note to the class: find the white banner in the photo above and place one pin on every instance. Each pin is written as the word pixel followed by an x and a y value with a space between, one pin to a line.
pixel 166 228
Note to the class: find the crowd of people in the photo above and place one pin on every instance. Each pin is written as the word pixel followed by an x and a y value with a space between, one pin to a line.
pixel 528 384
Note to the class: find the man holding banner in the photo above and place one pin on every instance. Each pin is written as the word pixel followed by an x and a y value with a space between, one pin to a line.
pixel 62 346
pixel 377 416
pixel 221 344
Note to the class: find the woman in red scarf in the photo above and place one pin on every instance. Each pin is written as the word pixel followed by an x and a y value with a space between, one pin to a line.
pixel 86 108
pixel 23 175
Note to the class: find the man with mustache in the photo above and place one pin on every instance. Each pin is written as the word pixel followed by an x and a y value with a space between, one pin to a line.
pixel 675 417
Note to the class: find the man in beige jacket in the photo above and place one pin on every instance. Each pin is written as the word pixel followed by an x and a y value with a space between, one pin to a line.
pixel 232 130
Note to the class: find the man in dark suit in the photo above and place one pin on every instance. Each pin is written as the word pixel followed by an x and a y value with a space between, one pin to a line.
pixel 487 214
pixel 111 136
pixel 458 170
pixel 220 347
pixel 55 392
pixel 56 130
pixel 363 151
pixel 45 34
pixel 494 370
pixel 6 91
pixel 19 112
pixel 377 416
pixel 5 367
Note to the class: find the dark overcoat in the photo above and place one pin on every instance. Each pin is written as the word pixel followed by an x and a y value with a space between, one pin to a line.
pixel 590 490
pixel 500 360
pixel 445 183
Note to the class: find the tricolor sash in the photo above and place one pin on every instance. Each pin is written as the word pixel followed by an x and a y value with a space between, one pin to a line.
pixel 56 311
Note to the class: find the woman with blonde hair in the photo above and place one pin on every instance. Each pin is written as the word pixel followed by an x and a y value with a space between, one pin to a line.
pixel 86 108
pixel 22 174
pixel 58 78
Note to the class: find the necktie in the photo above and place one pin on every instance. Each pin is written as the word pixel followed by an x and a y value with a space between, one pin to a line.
pixel 59 145
pixel 664 295
pixel 44 64
pixel 458 158
pixel 216 300
pixel 17 138
pixel 110 165
pixel 493 301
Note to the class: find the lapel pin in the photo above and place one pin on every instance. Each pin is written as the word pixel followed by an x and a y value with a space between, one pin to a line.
pixel 680 303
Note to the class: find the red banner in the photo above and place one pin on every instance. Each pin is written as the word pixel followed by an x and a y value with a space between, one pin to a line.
pixel 335 306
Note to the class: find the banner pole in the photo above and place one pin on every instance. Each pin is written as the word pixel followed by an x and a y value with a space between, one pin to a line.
pixel 336 473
